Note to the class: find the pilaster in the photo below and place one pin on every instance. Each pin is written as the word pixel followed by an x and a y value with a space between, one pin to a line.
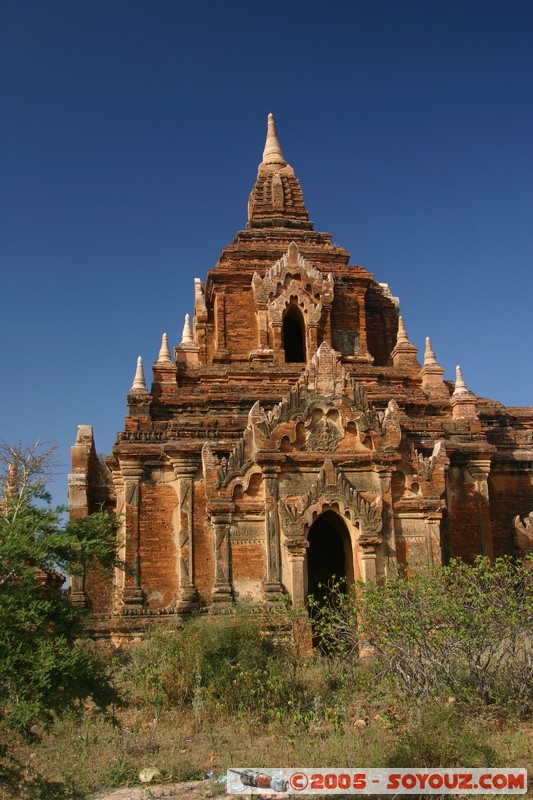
pixel 368 560
pixel 132 595
pixel 185 468
pixel 222 593
pixel 78 503
pixel 297 555
pixel 81 453
pixel 389 535
pixel 312 340
pixel 479 469
pixel 273 586
pixel 279 352
pixel 433 539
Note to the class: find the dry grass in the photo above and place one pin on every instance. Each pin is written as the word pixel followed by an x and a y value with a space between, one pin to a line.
pixel 225 698
pixel 91 754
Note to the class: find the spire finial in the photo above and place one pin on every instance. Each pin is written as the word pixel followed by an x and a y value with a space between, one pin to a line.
pixel 186 336
pixel 139 384
pixel 272 153
pixel 402 337
pixel 164 352
pixel 460 385
pixel 429 355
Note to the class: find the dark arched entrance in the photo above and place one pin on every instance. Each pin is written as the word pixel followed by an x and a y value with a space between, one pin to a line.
pixel 329 556
pixel 294 336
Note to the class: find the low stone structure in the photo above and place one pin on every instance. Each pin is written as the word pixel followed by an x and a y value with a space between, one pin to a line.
pixel 294 435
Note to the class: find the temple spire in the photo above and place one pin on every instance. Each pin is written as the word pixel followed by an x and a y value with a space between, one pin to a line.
pixel 429 355
pixel 272 154
pixel 139 383
pixel 463 401
pixel 276 200
pixel 186 336
pixel 404 353
pixel 432 373
pixel 164 352
pixel 460 385
pixel 402 337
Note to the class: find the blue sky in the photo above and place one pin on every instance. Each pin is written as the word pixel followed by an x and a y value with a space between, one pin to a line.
pixel 130 135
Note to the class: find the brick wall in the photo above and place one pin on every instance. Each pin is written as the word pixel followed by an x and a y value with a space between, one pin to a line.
pixel 511 493
pixel 158 554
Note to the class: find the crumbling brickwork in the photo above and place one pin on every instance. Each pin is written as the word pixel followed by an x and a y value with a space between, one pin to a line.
pixel 293 434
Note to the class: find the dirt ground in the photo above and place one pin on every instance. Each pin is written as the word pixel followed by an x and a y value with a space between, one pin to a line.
pixel 190 790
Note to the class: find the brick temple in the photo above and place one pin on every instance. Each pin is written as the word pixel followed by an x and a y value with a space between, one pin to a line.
pixel 295 434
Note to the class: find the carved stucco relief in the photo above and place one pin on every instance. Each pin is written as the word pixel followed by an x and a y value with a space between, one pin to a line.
pixel 330 488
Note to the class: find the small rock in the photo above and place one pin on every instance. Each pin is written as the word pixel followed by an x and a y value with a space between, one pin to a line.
pixel 360 723
pixel 148 774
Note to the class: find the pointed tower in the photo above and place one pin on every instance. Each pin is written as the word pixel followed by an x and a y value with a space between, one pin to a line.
pixel 432 373
pixel 139 383
pixel 276 200
pixel 164 352
pixel 164 372
pixel 186 336
pixel 463 401
pixel 187 351
pixel 404 353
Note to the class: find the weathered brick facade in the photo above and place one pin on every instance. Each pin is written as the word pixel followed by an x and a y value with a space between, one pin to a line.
pixel 294 435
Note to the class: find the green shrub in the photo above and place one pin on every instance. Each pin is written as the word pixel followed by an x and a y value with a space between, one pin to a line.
pixel 459 630
pixel 218 665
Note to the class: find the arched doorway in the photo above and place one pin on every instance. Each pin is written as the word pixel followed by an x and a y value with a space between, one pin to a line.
pixel 294 336
pixel 329 555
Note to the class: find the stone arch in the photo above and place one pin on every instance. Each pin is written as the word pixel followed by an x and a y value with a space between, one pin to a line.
pixel 294 335
pixel 329 555
pixel 332 491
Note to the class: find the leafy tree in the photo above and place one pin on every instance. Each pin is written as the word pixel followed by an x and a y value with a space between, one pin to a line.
pixel 45 667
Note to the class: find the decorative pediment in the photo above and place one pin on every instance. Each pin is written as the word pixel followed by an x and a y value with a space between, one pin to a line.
pixel 220 471
pixel 332 487
pixel 233 467
pixel 292 268
pixel 375 426
pixel 325 406
pixel 315 416
pixel 425 465
pixel 303 416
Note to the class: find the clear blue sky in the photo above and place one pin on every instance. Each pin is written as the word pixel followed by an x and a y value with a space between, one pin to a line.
pixel 130 135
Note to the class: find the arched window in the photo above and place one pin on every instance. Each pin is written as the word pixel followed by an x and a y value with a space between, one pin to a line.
pixel 294 336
